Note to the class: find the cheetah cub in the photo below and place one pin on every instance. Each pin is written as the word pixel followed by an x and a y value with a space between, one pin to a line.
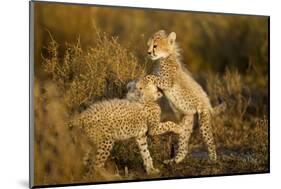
pixel 120 119
pixel 184 94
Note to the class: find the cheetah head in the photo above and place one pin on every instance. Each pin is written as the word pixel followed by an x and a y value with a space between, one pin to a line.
pixel 160 45
pixel 141 91
pixel 148 91
pixel 132 93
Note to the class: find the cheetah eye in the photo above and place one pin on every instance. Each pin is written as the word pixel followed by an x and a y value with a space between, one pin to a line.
pixel 154 46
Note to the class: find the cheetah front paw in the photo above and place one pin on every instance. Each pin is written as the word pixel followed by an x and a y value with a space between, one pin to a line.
pixel 169 161
pixel 213 159
pixel 153 171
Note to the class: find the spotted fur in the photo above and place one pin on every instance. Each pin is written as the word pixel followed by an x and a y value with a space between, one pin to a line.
pixel 120 119
pixel 184 94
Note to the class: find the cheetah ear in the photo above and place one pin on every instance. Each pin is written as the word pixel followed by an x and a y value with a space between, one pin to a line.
pixel 172 38
pixel 159 94
pixel 130 85
pixel 149 42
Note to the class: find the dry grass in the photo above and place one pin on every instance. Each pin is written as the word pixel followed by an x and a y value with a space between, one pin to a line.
pixel 79 65
pixel 209 41
pixel 86 76
pixel 78 77
pixel 55 152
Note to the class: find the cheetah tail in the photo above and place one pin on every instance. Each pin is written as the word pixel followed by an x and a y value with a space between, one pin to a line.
pixel 219 109
pixel 73 123
pixel 70 124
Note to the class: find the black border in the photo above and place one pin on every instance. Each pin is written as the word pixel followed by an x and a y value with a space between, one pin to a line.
pixel 141 180
pixel 147 8
pixel 31 75
pixel 31 80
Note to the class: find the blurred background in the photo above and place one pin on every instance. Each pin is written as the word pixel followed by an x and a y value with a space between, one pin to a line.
pixel 84 54
pixel 208 41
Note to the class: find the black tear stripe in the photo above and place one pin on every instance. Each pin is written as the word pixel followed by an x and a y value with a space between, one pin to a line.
pixel 143 144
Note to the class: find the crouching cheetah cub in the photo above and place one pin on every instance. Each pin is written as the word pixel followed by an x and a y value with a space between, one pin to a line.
pixel 120 119
pixel 184 94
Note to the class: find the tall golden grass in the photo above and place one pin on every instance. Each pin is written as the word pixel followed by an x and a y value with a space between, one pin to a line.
pixel 77 65
pixel 77 79
pixel 81 77
pixel 209 41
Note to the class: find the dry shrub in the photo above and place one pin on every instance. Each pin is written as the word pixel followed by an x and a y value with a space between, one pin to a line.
pixel 78 77
pixel 57 159
pixel 209 41
pixel 238 126
pixel 229 88
pixel 100 72
pixel 59 153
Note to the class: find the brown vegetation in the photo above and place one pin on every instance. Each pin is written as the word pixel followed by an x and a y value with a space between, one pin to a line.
pixel 227 55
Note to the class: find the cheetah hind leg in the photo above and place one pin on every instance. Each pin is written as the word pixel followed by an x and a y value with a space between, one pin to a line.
pixel 165 127
pixel 206 131
pixel 184 136
pixel 102 152
pixel 147 160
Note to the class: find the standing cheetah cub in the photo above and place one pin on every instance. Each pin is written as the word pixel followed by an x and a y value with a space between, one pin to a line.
pixel 120 119
pixel 184 94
